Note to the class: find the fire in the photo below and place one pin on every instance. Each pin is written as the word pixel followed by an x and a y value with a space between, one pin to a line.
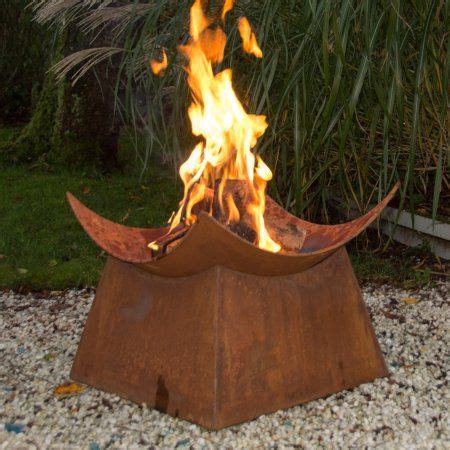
pixel 227 132
pixel 158 67
pixel 227 6
pixel 249 41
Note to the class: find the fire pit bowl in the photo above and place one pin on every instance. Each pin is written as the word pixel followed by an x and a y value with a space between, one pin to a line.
pixel 219 331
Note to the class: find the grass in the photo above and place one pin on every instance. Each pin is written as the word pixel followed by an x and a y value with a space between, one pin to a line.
pixel 42 246
pixel 8 133
pixel 371 267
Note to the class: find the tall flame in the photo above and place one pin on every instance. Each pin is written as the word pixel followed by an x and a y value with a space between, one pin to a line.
pixel 228 134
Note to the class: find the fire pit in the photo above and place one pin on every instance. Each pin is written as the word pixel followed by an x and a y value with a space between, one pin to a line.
pixel 237 308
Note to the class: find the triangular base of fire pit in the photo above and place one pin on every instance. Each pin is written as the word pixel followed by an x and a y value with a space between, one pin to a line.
pixel 222 347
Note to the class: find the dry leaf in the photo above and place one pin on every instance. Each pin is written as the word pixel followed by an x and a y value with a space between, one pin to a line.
pixel 410 300
pixel 126 216
pixel 22 270
pixel 69 389
pixel 393 316
pixel 409 283
pixel 56 293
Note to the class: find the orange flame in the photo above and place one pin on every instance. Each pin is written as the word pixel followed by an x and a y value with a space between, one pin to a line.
pixel 228 134
pixel 158 67
pixel 227 6
pixel 248 38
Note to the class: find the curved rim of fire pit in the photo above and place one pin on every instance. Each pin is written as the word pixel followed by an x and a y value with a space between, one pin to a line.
pixel 208 243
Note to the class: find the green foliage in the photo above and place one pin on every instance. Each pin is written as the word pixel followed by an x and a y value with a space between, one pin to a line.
pixel 36 138
pixel 70 124
pixel 373 268
pixel 22 60
pixel 355 92
pixel 423 278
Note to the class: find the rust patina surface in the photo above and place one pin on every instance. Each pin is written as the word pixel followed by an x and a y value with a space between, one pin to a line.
pixel 222 347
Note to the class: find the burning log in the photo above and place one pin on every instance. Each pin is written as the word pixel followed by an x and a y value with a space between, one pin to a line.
pixel 230 207
pixel 206 203
pixel 288 233
pixel 290 236
pixel 232 213
pixel 165 244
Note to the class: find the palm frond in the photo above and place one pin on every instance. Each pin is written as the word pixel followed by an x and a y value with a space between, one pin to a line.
pixel 120 16
pixel 83 60
pixel 63 12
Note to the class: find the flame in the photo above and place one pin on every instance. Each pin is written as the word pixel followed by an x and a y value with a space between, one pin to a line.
pixel 248 38
pixel 158 67
pixel 227 132
pixel 227 6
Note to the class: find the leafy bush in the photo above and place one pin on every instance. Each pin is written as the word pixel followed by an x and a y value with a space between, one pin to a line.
pixel 355 91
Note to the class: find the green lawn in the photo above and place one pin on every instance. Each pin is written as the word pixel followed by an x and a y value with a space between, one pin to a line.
pixel 42 245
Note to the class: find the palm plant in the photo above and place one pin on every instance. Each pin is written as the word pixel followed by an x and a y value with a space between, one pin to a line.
pixel 355 91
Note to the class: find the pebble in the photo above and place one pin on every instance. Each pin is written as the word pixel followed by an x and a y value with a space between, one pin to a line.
pixel 40 334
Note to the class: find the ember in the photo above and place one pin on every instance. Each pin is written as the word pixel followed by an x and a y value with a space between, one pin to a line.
pixel 224 156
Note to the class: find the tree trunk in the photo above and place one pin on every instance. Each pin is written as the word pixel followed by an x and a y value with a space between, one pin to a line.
pixel 72 125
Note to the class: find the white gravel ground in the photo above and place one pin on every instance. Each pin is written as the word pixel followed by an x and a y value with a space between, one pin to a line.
pixel 40 333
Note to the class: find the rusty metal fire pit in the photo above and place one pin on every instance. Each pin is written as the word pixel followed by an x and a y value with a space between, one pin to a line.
pixel 219 331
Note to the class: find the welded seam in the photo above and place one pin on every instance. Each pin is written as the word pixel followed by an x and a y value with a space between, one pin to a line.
pixel 218 300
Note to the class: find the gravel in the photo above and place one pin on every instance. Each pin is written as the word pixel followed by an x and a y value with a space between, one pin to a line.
pixel 39 337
